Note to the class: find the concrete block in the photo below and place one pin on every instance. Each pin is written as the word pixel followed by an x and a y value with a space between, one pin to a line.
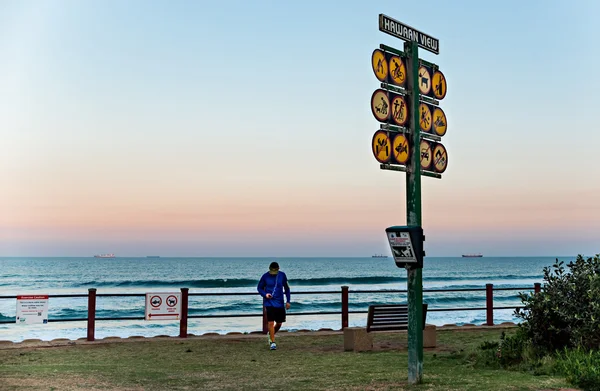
pixel 429 336
pixel 357 339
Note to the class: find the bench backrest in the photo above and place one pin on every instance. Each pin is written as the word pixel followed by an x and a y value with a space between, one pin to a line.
pixel 389 317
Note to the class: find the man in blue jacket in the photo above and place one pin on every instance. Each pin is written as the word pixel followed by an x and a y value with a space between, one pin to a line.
pixel 271 287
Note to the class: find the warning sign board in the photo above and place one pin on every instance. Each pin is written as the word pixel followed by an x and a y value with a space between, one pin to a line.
pixel 440 124
pixel 439 85
pixel 440 158
pixel 32 309
pixel 382 146
pixel 399 110
pixel 397 71
pixel 425 149
pixel 401 149
pixel 379 64
pixel 425 118
pixel 380 105
pixel 424 81
pixel 163 306
pixel 402 248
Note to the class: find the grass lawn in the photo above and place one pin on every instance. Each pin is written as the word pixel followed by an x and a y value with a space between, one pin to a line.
pixel 303 361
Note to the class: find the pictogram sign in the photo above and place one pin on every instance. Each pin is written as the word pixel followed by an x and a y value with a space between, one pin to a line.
pixel 380 105
pixel 439 85
pixel 397 71
pixel 399 110
pixel 425 151
pixel 440 158
pixel 425 117
pixel 401 148
pixel 163 306
pixel 424 81
pixel 380 65
pixel 440 124
pixel 382 146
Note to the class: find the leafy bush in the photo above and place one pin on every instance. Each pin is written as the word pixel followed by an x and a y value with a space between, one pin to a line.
pixel 566 313
pixel 581 368
pixel 511 351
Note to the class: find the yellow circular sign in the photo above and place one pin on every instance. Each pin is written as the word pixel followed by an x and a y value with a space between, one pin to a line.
pixel 425 151
pixel 440 158
pixel 397 70
pixel 439 85
pixel 379 64
pixel 425 118
pixel 380 105
pixel 424 81
pixel 440 124
pixel 399 110
pixel 382 146
pixel 401 148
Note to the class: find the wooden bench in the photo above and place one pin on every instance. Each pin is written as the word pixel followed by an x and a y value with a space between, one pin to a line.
pixel 388 317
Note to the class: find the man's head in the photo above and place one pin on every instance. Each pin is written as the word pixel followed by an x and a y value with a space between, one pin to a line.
pixel 274 268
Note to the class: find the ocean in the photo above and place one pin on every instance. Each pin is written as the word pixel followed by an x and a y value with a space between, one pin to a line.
pixel 121 275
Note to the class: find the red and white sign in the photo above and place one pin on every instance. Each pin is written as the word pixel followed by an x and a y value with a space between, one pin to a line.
pixel 32 309
pixel 163 306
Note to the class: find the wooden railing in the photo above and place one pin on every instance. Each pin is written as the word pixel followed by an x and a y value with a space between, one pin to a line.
pixel 92 295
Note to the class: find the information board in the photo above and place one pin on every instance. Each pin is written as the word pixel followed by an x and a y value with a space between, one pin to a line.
pixel 32 309
pixel 163 306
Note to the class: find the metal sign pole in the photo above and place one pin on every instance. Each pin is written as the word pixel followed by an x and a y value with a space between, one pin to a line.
pixel 413 218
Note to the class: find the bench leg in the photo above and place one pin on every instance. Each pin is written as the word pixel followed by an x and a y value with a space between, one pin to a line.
pixel 357 339
pixel 429 336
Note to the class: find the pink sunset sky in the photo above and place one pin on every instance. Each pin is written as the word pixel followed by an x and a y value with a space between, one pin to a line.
pixel 215 130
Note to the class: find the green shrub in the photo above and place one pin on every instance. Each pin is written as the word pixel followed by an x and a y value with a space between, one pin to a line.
pixel 581 368
pixel 566 313
pixel 514 352
pixel 510 349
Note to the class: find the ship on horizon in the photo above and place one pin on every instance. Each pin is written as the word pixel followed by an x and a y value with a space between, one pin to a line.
pixel 478 255
pixel 379 256
pixel 104 256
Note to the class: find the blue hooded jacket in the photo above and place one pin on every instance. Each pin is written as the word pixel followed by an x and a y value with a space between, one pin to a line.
pixel 274 284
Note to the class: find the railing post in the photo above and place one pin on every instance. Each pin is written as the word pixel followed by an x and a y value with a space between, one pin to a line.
pixel 91 318
pixel 489 304
pixel 537 287
pixel 264 321
pixel 344 307
pixel 183 323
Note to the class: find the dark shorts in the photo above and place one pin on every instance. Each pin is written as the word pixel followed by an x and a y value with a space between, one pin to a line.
pixel 275 314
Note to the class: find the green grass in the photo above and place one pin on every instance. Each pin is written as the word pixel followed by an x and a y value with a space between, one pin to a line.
pixel 302 362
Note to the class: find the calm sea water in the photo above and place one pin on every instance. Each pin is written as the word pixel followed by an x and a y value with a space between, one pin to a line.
pixel 63 275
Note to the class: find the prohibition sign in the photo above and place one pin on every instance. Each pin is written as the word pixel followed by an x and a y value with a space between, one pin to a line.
pixel 379 64
pixel 401 148
pixel 425 150
pixel 380 105
pixel 381 146
pixel 424 117
pixel 424 81
pixel 397 70
pixel 440 158
pixel 439 85
pixel 171 301
pixel 399 110
pixel 440 124
pixel 155 301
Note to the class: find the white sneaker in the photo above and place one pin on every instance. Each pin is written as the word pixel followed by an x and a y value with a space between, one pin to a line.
pixel 273 346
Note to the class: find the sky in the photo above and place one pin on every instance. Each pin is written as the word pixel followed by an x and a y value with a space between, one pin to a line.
pixel 235 128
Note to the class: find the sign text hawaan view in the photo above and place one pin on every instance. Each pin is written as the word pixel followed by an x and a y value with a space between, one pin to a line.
pixel 407 33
